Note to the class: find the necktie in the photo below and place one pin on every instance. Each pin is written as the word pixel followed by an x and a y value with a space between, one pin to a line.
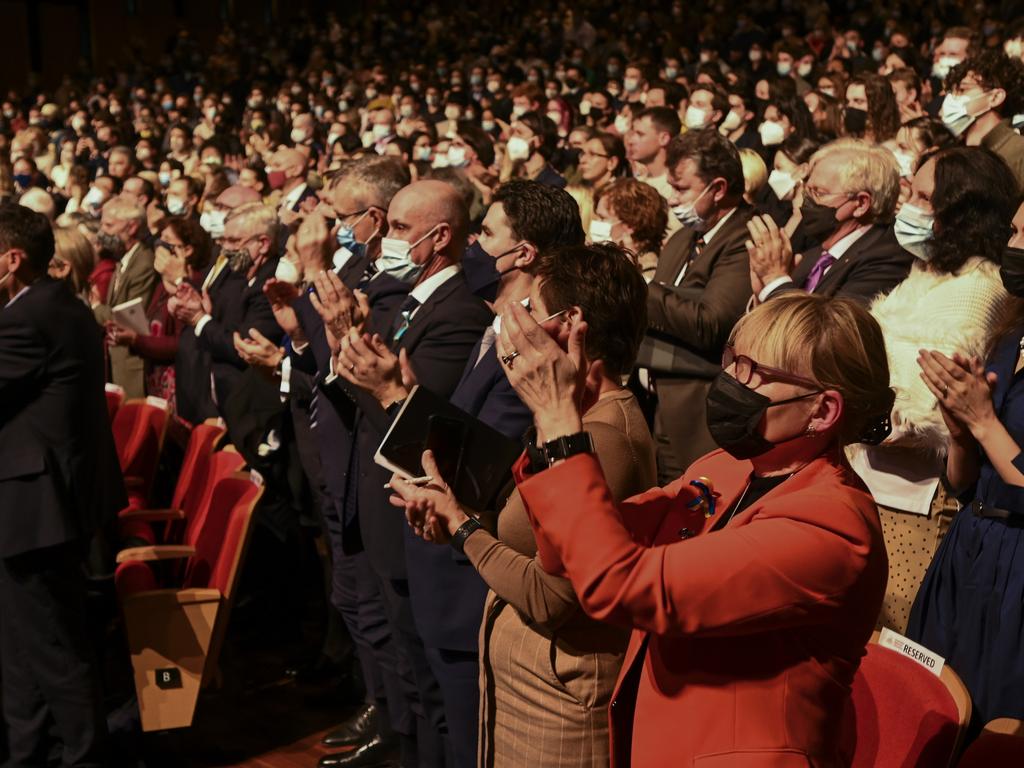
pixel 695 251
pixel 404 317
pixel 824 261
pixel 486 343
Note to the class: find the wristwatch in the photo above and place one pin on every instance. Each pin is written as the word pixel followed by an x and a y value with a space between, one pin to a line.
pixel 568 445
pixel 463 532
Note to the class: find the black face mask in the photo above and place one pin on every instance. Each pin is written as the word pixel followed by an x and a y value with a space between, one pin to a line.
pixel 596 114
pixel 817 220
pixel 734 413
pixel 1012 271
pixel 855 121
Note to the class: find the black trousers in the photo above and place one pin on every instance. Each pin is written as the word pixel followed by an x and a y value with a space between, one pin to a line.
pixel 47 662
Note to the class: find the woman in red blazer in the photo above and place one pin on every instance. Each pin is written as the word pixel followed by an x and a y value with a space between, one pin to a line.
pixel 754 581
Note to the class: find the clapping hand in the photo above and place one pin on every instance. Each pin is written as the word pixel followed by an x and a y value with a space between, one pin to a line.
pixel 258 351
pixel 432 510
pixel 962 387
pixel 280 295
pixel 188 305
pixel 771 254
pixel 550 381
pixel 366 362
pixel 341 309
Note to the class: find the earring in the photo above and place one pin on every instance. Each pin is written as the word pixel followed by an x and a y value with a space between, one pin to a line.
pixel 810 432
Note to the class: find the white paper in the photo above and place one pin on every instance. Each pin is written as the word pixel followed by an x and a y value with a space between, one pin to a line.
pixel 132 315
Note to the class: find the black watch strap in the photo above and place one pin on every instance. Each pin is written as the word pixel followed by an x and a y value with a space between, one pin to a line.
pixel 464 531
pixel 568 445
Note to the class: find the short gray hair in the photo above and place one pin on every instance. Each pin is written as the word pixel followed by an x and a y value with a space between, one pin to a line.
pixel 126 208
pixel 866 168
pixel 375 180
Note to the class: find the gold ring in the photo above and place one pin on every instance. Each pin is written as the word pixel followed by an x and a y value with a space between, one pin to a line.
pixel 509 358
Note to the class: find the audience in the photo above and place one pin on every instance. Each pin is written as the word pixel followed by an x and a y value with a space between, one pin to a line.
pixel 293 231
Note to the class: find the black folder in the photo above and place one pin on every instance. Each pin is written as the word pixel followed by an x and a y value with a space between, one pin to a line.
pixel 474 459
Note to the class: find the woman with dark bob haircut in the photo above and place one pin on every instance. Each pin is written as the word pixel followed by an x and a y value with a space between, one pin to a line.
pixel 957 222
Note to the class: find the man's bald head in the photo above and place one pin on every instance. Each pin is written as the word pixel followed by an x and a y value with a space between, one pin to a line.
pixel 40 201
pixel 424 205
pixel 235 197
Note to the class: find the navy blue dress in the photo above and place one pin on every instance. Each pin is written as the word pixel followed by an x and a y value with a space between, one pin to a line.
pixel 970 608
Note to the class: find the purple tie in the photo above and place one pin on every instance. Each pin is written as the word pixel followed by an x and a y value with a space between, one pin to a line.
pixel 824 261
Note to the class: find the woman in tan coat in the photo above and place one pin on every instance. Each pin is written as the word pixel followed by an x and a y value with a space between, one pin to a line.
pixel 547 670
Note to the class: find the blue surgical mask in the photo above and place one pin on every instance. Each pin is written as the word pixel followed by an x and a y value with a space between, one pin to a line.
pixel 346 233
pixel 396 258
pixel 23 180
pixel 914 230
pixel 165 178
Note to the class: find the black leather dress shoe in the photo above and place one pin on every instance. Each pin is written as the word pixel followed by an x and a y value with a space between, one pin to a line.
pixel 375 752
pixel 358 729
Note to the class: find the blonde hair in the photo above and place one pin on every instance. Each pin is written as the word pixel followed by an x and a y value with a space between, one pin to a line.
pixel 835 342
pixel 867 168
pixel 74 248
pixel 755 173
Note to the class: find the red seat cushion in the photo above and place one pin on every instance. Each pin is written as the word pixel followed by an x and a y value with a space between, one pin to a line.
pixel 901 714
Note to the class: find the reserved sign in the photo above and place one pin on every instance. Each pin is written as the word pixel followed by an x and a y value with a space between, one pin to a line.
pixel 902 645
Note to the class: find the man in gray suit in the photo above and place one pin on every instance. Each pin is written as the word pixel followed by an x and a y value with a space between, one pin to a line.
pixel 122 234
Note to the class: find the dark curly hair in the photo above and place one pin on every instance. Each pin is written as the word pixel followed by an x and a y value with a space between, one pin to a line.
pixel 715 156
pixel 975 198
pixel 994 69
pixel 883 111
pixel 603 281
pixel 190 233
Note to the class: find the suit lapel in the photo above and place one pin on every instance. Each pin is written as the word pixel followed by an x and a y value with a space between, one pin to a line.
pixel 837 275
pixel 419 321
pixel 803 269
pixel 674 255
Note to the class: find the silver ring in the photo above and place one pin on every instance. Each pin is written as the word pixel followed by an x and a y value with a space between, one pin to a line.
pixel 511 356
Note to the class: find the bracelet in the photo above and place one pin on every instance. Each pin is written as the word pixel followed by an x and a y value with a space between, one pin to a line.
pixel 568 445
pixel 464 531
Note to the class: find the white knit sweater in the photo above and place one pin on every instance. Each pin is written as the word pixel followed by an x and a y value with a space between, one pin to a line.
pixel 928 310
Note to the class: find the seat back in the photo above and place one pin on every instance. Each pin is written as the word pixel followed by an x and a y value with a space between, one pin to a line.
pixel 1000 743
pixel 222 534
pixel 115 399
pixel 195 465
pixel 901 714
pixel 139 428
pixel 221 464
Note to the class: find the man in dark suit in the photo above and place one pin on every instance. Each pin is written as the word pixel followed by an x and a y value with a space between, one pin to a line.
pixel 123 233
pixel 698 293
pixel 849 201
pixel 435 330
pixel 248 246
pixel 525 219
pixel 59 483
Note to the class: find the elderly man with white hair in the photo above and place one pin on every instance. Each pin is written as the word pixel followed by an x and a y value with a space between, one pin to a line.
pixel 122 234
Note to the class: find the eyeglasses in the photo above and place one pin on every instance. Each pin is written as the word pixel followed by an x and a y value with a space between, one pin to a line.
pixel 170 246
pixel 744 369
pixel 817 195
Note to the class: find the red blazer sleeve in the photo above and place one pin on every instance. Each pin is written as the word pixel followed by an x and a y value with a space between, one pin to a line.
pixel 792 563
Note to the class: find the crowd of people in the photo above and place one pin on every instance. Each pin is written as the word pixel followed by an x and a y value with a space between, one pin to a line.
pixel 745 282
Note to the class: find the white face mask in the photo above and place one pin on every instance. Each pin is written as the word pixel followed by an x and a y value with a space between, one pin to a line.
pixel 732 121
pixel 804 69
pixel 213 223
pixel 600 231
pixel 405 110
pixel 555 117
pixel 783 68
pixel 93 198
pixel 1014 48
pixel 452 113
pixel 287 272
pixel 782 183
pixel 457 157
pixel 175 206
pixel 496 323
pixel 954 113
pixel 381 131
pixel 298 135
pixel 630 84
pixel 772 133
pixel 696 118
pixel 687 215
pixel 942 67
pixel 914 230
pixel 905 161
pixel 622 124
pixel 518 149
pixel 519 110
pixel 585 107
pixel 396 258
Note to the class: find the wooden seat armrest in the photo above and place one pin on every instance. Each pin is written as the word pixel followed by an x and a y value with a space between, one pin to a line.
pixel 151 515
pixel 157 552
pixel 170 598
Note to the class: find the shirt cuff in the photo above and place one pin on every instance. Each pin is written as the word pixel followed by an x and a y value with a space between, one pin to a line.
pixel 778 282
pixel 300 347
pixel 286 377
pixel 198 330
